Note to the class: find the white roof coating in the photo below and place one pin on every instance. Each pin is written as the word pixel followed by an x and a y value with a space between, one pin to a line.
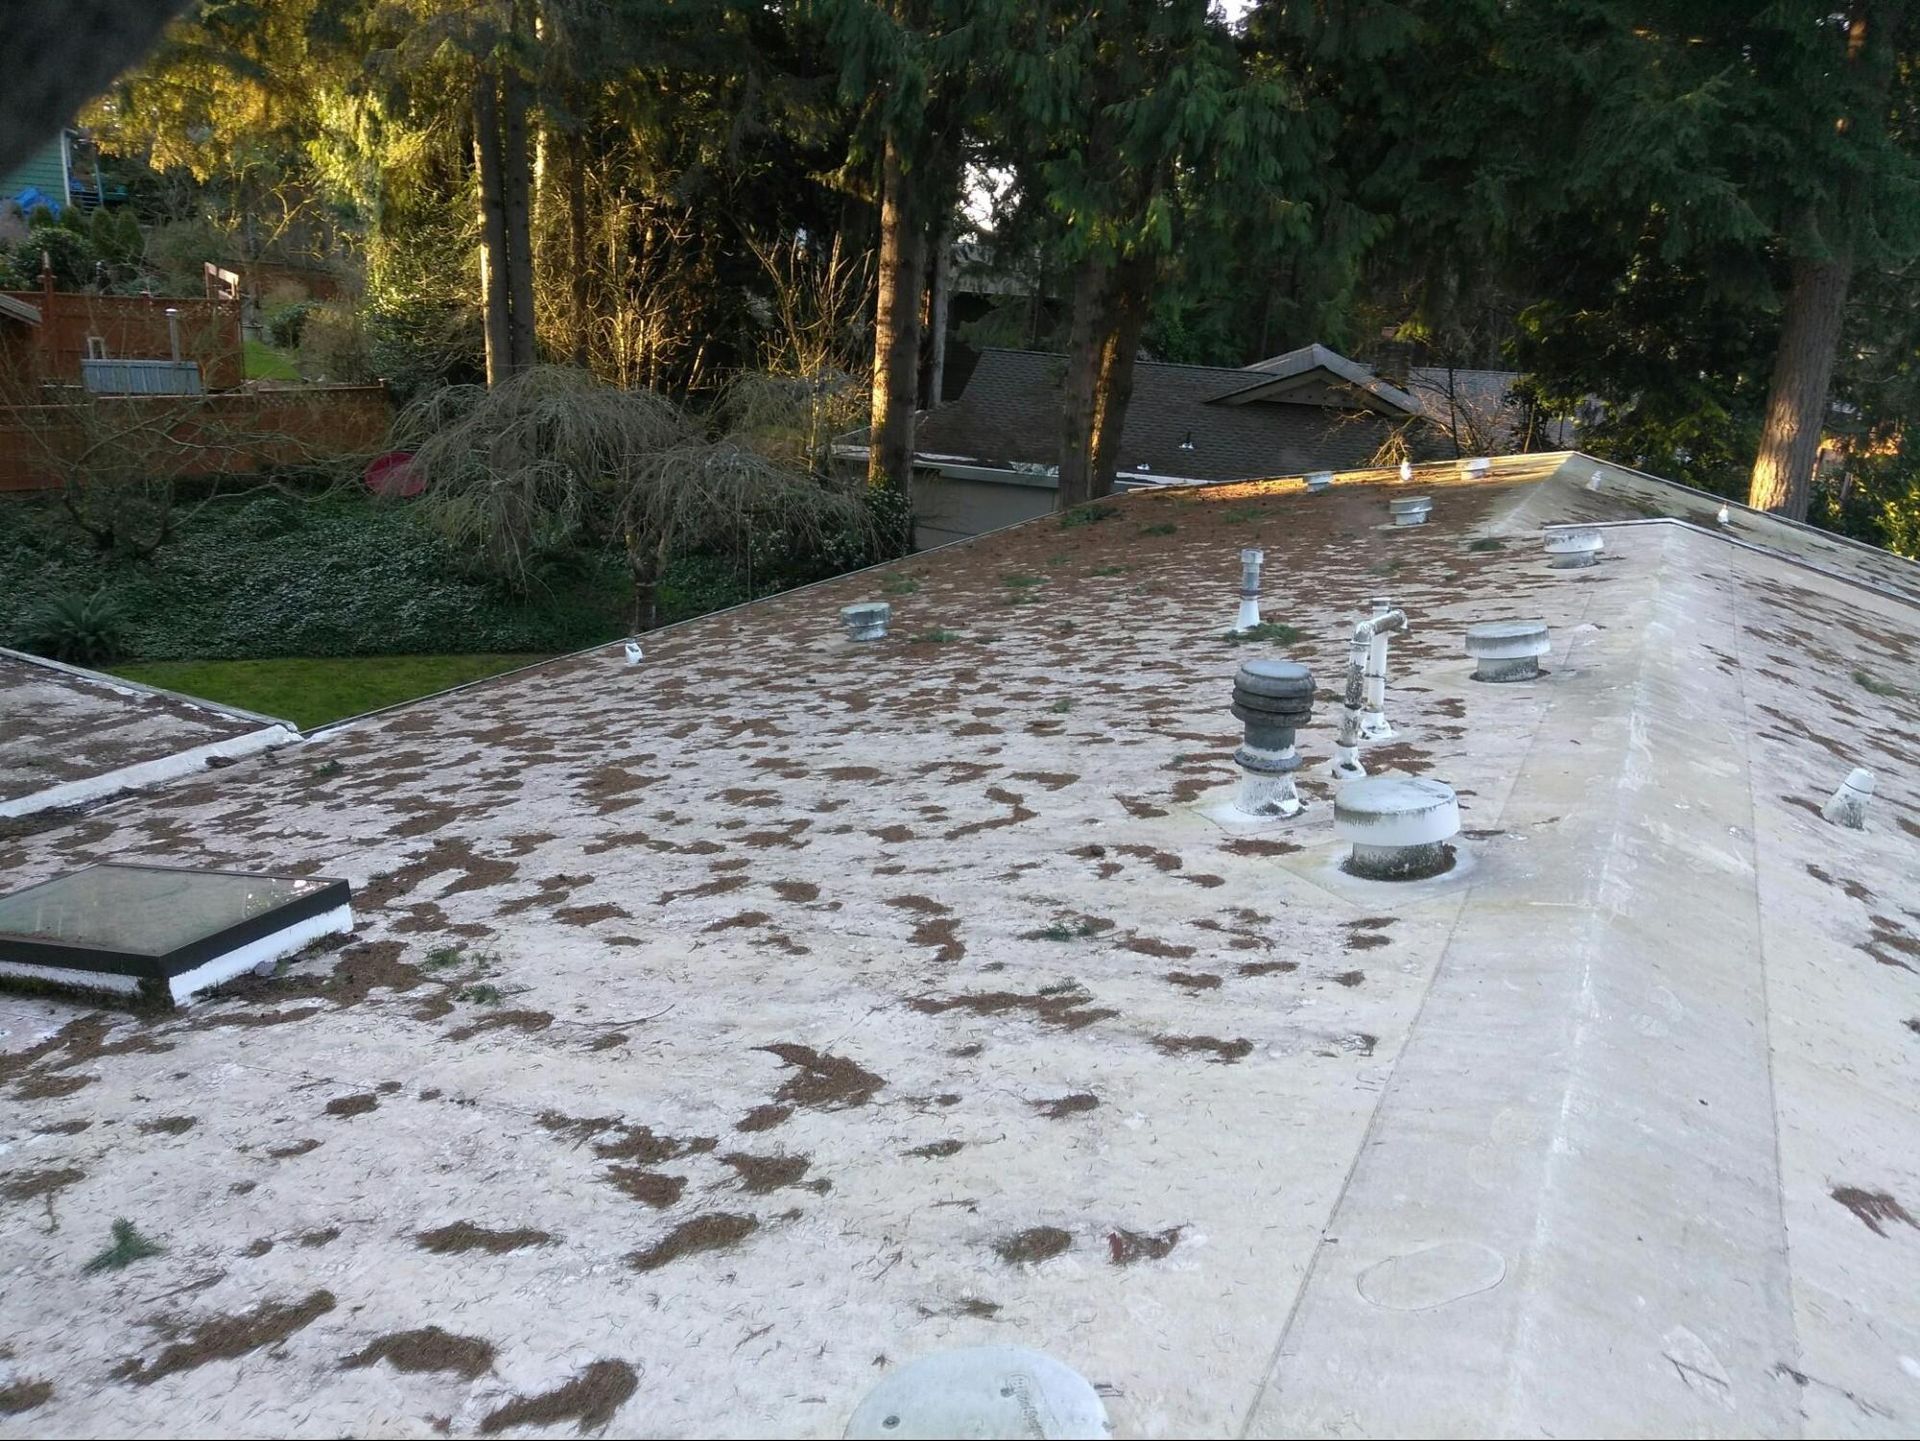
pixel 724 1032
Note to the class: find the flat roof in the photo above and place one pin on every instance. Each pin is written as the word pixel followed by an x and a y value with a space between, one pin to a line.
pixel 61 724
pixel 725 1031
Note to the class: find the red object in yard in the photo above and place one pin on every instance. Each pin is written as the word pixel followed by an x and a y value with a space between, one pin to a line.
pixel 393 474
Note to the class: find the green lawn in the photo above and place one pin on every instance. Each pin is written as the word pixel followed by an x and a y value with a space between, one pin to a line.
pixel 314 692
pixel 266 363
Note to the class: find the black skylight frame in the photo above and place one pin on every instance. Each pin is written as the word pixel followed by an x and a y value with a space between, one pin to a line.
pixel 161 967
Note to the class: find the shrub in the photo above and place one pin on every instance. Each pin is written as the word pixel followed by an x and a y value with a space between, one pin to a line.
pixel 285 325
pixel 80 629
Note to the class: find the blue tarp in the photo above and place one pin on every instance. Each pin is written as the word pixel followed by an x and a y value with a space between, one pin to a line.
pixel 32 196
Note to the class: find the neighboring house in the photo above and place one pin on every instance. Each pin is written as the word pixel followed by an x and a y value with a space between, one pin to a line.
pixel 722 1031
pixel 65 171
pixel 988 459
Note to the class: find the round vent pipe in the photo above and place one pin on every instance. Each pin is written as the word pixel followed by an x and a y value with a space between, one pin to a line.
pixel 867 620
pixel 1570 547
pixel 1507 650
pixel 1399 827
pixel 1848 805
pixel 1410 510
pixel 1249 589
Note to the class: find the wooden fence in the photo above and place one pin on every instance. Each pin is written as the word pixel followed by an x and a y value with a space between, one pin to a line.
pixel 44 445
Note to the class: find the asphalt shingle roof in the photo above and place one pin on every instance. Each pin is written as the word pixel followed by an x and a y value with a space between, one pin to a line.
pixel 1010 412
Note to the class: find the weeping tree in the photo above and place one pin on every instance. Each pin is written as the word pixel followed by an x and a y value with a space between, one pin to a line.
pixel 552 457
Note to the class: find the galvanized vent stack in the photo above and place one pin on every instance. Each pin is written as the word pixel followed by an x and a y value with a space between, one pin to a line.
pixel 1410 509
pixel 1274 698
pixel 1320 480
pixel 1507 650
pixel 866 620
pixel 1249 589
pixel 1399 827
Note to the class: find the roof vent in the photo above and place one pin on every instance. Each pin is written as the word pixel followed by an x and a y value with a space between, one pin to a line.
pixel 1373 714
pixel 1848 805
pixel 1724 516
pixel 1477 467
pixel 1249 589
pixel 1507 650
pixel 867 620
pixel 1320 480
pixel 1399 827
pixel 633 652
pixel 1406 471
pixel 1593 481
pixel 981 1391
pixel 1366 688
pixel 1410 509
pixel 1273 698
pixel 1573 546
pixel 1187 442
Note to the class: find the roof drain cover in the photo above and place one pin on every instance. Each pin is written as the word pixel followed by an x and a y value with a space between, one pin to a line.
pixel 160 933
pixel 1399 826
pixel 1274 698
pixel 1507 650
pixel 867 620
pixel 1573 546
pixel 1410 509
pixel 981 1392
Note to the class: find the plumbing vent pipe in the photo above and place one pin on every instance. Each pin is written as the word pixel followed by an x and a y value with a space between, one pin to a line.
pixel 1573 546
pixel 1593 481
pixel 1373 715
pixel 867 620
pixel 1399 827
pixel 173 331
pixel 633 652
pixel 1724 516
pixel 1273 698
pixel 1249 589
pixel 1346 749
pixel 1848 805
pixel 1406 471
pixel 1507 650
pixel 1319 480
pixel 1410 509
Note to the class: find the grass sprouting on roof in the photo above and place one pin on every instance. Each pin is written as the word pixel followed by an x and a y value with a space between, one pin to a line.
pixel 128 1246
pixel 899 585
pixel 1273 630
pixel 1164 528
pixel 1022 582
pixel 1874 684
pixel 1487 542
pixel 1085 515
pixel 937 636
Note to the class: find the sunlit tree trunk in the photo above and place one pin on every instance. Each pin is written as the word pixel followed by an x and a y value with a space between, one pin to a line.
pixel 1086 338
pixel 896 327
pixel 1129 300
pixel 1797 400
